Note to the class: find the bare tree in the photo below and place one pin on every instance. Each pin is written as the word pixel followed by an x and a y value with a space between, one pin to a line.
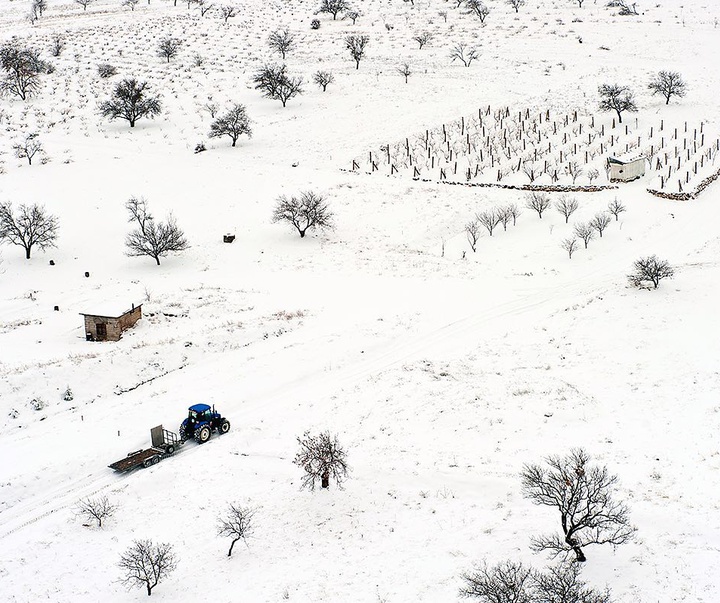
pixel 472 232
pixel 423 38
pixel 516 4
pixel 30 227
pixel 531 171
pixel 276 84
pixel 353 15
pixel 569 245
pixel 511 582
pixel 579 2
pixel 131 102
pixel 306 212
pixel 96 509
pixel 169 47
pixel 356 45
pixel 504 215
pixel 323 79
pixel 567 206
pixel 28 148
pixel 58 45
pixel 39 7
pixel 131 4
pixel 404 70
pixel 584 231
pixel 561 583
pixel 600 222
pixel 616 98
pixel 593 174
pixel 84 3
pixel 538 202
pixel 489 219
pixel 211 108
pixel 236 524
pixel 146 564
pixel 227 12
pixel 507 582
pixel 616 208
pixel 583 494
pixel 574 170
pixel 333 7
pixel 669 84
pixel 464 54
pixel 22 69
pixel 204 7
pixel 650 269
pixel 282 41
pixel 322 457
pixel 514 211
pixel 151 238
pixel 477 8
pixel 234 124
pixel 625 8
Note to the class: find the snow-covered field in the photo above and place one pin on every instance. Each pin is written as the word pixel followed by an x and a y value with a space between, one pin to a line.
pixel 441 370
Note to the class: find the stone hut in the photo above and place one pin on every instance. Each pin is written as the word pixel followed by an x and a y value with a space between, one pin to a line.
pixel 109 324
pixel 625 170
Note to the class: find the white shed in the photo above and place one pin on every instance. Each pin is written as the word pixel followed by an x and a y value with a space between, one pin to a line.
pixel 625 170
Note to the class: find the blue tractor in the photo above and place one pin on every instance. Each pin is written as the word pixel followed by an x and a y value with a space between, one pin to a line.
pixel 200 423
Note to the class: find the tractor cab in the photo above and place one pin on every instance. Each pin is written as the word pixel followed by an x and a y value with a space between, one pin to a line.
pixel 200 412
pixel 200 423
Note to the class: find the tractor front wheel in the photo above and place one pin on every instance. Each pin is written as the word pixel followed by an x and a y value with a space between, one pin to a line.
pixel 224 426
pixel 202 435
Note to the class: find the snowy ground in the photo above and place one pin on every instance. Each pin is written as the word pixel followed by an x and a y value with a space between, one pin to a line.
pixel 443 371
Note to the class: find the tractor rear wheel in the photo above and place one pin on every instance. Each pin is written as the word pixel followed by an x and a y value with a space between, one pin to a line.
pixel 224 426
pixel 170 449
pixel 202 435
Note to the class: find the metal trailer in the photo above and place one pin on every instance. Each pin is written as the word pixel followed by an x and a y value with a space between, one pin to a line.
pixel 164 444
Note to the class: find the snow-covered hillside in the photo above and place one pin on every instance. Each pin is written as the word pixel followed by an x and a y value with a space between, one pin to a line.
pixel 442 370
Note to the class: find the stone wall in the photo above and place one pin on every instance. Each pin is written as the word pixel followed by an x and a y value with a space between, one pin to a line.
pixel 686 196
